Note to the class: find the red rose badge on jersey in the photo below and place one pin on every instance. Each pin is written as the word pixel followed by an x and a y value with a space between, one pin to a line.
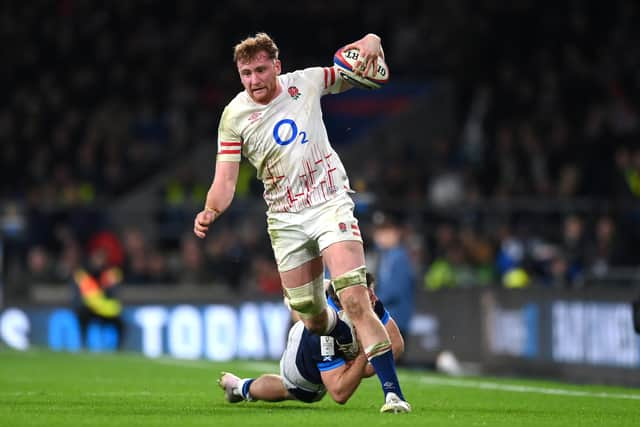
pixel 294 92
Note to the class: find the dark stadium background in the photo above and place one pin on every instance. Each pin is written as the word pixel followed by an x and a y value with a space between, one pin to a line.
pixel 506 144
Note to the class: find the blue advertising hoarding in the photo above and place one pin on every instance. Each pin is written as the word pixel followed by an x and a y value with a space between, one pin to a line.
pixel 523 332
pixel 253 330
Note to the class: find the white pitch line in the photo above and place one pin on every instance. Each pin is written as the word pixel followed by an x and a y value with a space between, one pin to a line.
pixel 487 385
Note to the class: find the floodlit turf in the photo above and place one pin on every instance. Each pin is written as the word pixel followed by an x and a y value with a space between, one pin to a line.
pixel 56 389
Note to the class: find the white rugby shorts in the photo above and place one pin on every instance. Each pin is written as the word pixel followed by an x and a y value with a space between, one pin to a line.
pixel 299 237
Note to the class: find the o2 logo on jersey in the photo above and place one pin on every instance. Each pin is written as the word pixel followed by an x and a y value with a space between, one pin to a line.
pixel 288 129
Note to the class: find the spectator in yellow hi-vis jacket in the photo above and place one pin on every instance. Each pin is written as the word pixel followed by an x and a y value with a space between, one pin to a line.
pixel 98 310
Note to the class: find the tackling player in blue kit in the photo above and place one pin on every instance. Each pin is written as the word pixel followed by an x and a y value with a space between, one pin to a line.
pixel 313 365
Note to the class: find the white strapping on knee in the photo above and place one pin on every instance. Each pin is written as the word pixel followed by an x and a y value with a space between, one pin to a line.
pixel 355 277
pixel 308 299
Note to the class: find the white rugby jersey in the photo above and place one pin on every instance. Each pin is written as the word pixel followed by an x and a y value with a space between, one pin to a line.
pixel 286 141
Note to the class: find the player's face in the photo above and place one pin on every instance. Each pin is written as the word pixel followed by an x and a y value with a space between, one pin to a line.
pixel 259 77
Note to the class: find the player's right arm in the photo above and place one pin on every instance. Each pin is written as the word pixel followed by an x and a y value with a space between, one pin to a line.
pixel 397 341
pixel 397 346
pixel 223 187
pixel 342 381
pixel 219 196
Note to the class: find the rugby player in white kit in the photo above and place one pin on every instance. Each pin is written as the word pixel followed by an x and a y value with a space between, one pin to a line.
pixel 276 123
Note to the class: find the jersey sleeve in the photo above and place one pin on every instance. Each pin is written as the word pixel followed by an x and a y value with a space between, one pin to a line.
pixel 326 355
pixel 229 142
pixel 325 78
pixel 325 366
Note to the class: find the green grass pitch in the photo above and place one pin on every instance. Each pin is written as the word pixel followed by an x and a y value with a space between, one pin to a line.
pixel 42 388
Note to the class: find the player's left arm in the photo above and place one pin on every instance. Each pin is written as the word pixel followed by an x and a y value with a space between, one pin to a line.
pixel 342 381
pixel 370 49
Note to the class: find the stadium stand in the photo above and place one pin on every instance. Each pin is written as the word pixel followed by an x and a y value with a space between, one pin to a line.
pixel 520 166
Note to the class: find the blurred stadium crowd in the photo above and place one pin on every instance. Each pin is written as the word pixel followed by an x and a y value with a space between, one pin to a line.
pixel 538 186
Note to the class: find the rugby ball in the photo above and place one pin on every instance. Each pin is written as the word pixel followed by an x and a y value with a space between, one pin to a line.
pixel 345 62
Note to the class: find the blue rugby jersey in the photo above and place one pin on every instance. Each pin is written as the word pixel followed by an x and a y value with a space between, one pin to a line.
pixel 310 359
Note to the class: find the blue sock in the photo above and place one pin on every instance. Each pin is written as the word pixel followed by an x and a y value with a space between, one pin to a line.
pixel 385 367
